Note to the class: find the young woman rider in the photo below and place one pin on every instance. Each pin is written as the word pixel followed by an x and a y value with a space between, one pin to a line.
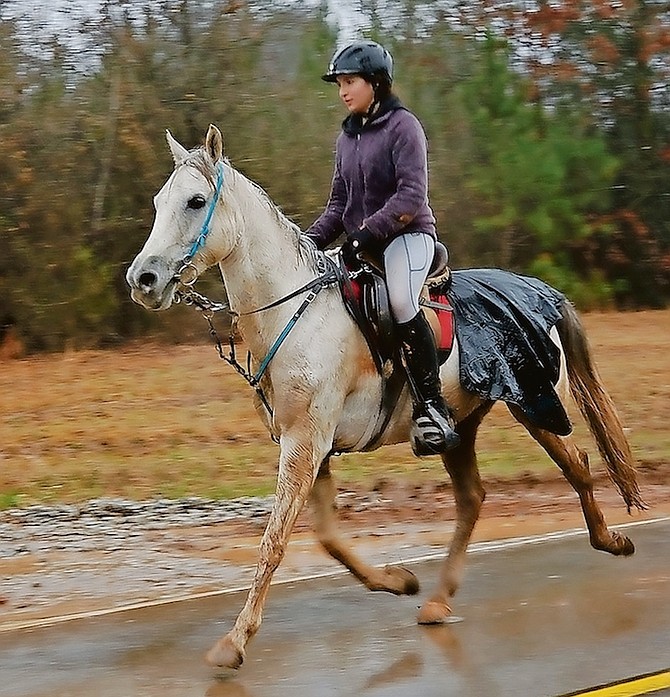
pixel 379 200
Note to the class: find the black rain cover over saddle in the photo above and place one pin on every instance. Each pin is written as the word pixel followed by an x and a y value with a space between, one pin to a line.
pixel 502 326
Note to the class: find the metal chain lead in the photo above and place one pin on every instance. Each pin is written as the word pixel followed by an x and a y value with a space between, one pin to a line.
pixel 190 297
pixel 231 359
pixel 208 308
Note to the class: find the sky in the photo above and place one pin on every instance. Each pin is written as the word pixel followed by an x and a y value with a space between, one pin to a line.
pixel 39 21
pixel 61 15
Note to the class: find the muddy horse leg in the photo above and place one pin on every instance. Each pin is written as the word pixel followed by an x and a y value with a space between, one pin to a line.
pixel 461 464
pixel 574 463
pixel 297 464
pixel 392 579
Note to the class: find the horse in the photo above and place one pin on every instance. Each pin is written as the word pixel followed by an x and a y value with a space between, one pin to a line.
pixel 322 387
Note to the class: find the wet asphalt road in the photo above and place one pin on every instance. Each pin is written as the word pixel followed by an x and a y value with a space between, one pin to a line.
pixel 538 619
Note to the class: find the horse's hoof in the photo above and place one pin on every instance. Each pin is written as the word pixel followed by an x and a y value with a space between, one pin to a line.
pixel 615 543
pixel 224 655
pixel 433 612
pixel 621 545
pixel 401 581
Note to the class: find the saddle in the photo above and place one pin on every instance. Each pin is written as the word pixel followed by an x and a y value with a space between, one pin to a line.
pixel 366 298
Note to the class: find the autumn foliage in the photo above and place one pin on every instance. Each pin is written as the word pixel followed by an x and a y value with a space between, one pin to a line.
pixel 549 129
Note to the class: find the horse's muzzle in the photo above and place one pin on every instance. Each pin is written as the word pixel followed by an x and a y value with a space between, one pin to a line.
pixel 151 283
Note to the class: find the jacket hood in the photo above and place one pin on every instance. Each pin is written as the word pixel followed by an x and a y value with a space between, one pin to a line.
pixel 353 124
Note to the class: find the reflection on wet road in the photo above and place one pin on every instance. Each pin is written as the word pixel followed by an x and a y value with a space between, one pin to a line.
pixel 545 618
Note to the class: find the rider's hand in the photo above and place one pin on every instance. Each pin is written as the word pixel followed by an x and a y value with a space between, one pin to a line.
pixel 360 239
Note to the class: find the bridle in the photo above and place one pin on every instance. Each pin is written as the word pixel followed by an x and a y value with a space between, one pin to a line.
pixel 199 242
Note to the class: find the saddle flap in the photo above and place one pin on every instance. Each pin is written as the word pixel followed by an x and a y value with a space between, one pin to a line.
pixel 368 302
pixel 377 310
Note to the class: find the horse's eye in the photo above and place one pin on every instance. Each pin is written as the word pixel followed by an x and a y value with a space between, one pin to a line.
pixel 196 202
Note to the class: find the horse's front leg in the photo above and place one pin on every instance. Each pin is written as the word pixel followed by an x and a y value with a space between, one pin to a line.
pixel 297 465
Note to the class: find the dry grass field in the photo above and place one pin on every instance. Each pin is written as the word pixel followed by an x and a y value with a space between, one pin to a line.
pixel 152 420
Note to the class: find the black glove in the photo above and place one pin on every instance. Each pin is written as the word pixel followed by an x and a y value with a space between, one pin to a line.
pixel 351 261
pixel 360 239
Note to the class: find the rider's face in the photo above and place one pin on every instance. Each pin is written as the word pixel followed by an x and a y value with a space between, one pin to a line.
pixel 356 93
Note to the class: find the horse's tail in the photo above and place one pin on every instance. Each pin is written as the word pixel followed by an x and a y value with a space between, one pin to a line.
pixel 598 408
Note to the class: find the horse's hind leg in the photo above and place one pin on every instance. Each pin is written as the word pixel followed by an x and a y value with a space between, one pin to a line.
pixel 392 579
pixel 461 464
pixel 574 463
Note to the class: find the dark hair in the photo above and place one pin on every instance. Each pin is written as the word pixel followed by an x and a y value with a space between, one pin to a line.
pixel 382 85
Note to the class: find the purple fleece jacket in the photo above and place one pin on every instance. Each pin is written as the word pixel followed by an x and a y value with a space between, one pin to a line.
pixel 380 179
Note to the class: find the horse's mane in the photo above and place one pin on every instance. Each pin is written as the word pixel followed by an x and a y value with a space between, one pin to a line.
pixel 305 248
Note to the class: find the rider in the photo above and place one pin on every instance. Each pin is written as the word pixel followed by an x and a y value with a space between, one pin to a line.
pixel 379 200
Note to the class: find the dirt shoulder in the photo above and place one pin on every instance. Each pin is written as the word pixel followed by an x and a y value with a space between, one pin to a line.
pixel 119 563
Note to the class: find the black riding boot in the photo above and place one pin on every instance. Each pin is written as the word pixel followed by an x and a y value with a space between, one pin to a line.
pixel 433 428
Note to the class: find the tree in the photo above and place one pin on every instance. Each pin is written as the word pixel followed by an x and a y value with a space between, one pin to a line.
pixel 549 140
pixel 617 57
pixel 544 175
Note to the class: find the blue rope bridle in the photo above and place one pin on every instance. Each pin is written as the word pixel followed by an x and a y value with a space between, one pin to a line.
pixel 200 240
pixel 206 225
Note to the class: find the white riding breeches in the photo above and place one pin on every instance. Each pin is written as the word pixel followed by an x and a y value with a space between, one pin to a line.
pixel 407 262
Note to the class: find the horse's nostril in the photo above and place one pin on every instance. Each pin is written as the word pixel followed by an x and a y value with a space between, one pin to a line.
pixel 148 279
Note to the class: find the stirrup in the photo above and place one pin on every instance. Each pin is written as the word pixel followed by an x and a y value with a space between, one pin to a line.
pixel 431 433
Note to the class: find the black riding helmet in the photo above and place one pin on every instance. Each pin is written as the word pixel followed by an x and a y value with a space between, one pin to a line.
pixel 366 58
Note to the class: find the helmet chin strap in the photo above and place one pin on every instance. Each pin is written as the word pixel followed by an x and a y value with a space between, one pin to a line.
pixel 375 102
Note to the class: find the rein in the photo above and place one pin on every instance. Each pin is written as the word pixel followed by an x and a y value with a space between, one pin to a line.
pixel 329 276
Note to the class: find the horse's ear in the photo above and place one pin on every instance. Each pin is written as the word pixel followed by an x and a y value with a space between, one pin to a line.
pixel 214 143
pixel 179 152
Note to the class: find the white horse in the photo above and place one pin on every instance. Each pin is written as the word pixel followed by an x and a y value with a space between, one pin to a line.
pixel 323 385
